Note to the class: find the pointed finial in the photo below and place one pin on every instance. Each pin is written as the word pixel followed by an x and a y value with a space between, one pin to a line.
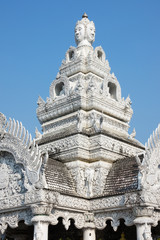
pixel 85 15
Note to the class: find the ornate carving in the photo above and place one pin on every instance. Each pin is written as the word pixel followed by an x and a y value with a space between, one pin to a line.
pixel 2 125
pixel 143 211
pixel 73 202
pixel 80 121
pixel 13 218
pixel 67 216
pixel 149 174
pixel 89 177
pixel 59 88
pixel 108 202
pixel 147 234
pixel 131 199
pixel 84 32
pixel 114 216
pixel 12 179
pixel 18 142
pixel 41 209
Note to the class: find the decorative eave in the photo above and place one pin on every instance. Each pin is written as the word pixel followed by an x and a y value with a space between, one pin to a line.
pixel 15 139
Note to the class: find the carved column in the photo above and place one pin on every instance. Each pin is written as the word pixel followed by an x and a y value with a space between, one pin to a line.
pixel 89 232
pixel 41 221
pixel 41 227
pixel 143 222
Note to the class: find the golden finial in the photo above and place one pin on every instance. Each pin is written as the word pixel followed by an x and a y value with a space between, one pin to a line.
pixel 85 15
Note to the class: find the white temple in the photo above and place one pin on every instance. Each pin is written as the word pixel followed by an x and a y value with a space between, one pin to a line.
pixel 85 177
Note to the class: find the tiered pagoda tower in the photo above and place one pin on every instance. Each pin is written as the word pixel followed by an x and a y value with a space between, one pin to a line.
pixel 85 177
pixel 85 121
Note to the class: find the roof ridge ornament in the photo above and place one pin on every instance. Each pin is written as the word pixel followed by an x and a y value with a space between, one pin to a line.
pixel 18 131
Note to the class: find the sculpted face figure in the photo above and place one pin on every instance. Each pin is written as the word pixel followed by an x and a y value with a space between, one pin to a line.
pixel 91 32
pixel 79 33
pixel 84 32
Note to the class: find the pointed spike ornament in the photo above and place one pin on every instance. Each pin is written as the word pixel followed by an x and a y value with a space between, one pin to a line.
pixel 154 139
pixel 40 101
pixel 16 129
pixel 26 138
pixel 29 141
pixel 13 126
pixel 20 131
pixel 10 125
pixel 156 135
pixel 23 134
pixel 85 15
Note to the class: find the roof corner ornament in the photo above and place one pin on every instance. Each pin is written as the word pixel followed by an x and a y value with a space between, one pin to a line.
pixel 84 32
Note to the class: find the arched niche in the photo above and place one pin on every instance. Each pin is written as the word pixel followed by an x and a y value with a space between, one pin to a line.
pixel 59 88
pixel 112 90
pixel 100 54
pixel 71 54
pixel 58 232
pixel 109 233
pixel 22 232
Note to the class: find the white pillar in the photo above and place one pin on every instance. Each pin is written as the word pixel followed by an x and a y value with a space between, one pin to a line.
pixel 143 225
pixel 89 234
pixel 89 231
pixel 40 227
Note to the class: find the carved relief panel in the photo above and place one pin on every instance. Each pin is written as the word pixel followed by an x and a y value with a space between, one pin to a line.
pixel 12 179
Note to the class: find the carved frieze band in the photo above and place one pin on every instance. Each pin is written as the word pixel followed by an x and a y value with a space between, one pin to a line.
pixel 72 142
pixel 12 219
pixel 79 220
pixel 114 216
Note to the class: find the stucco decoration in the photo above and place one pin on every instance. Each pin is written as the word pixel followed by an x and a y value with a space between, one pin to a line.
pixel 114 216
pixel 84 32
pixel 12 219
pixel 67 216
pixel 59 88
pixel 16 140
pixel 12 177
pixel 149 174
pixel 89 178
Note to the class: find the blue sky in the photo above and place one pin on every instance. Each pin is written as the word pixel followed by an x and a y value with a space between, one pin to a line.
pixel 36 34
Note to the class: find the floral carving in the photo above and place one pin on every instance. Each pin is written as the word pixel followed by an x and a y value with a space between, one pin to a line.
pixel 73 202
pixel 114 216
pixel 108 202
pixel 19 142
pixel 11 176
pixel 67 216
pixel 12 219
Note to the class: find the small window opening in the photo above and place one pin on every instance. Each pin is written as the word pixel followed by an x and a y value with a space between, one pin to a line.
pixel 90 234
pixel 59 89
pixel 99 55
pixel 71 55
pixel 112 90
